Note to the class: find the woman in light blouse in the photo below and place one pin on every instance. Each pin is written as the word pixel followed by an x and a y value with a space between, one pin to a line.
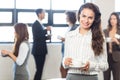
pixel 20 53
pixel 85 48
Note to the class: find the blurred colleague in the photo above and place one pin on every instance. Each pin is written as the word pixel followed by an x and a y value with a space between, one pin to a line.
pixel 85 48
pixel 112 34
pixel 20 53
pixel 39 49
pixel 71 22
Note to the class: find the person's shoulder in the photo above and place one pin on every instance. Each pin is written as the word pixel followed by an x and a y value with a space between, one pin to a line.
pixel 35 22
pixel 76 26
pixel 25 43
pixel 73 32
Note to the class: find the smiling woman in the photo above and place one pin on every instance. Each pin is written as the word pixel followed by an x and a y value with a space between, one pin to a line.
pixel 84 45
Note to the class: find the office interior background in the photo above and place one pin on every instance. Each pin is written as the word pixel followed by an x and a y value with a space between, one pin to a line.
pixel 23 11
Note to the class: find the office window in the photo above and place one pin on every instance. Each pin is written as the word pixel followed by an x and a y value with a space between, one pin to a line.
pixel 6 34
pixel 30 33
pixel 58 31
pixel 7 3
pixel 59 18
pixel 14 11
pixel 89 0
pixel 30 17
pixel 5 17
pixel 66 4
pixel 117 5
pixel 32 4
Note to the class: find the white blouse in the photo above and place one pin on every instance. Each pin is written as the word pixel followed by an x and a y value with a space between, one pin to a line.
pixel 78 46
pixel 23 51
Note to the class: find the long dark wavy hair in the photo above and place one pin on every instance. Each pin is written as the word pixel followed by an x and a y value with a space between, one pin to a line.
pixel 97 36
pixel 21 32
pixel 118 21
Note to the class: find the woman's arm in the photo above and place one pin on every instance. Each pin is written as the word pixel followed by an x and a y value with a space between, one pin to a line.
pixel 8 53
pixel 23 50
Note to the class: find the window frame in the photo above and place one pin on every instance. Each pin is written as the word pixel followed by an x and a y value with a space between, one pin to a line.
pixel 16 11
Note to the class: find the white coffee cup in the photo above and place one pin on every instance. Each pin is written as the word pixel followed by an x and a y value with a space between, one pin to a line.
pixel 77 63
pixel 117 36
pixel 108 39
pixel 59 37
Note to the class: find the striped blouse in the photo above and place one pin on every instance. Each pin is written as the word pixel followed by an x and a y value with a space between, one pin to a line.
pixel 78 46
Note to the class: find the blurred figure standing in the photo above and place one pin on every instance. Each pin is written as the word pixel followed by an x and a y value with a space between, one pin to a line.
pixel 39 49
pixel 71 22
pixel 20 53
pixel 112 34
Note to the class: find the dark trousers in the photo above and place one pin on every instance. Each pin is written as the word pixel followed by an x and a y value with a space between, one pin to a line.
pixel 114 67
pixel 39 61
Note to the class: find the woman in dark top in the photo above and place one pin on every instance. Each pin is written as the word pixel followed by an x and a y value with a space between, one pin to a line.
pixel 112 34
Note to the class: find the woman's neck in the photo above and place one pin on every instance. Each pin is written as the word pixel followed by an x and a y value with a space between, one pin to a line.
pixel 114 28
